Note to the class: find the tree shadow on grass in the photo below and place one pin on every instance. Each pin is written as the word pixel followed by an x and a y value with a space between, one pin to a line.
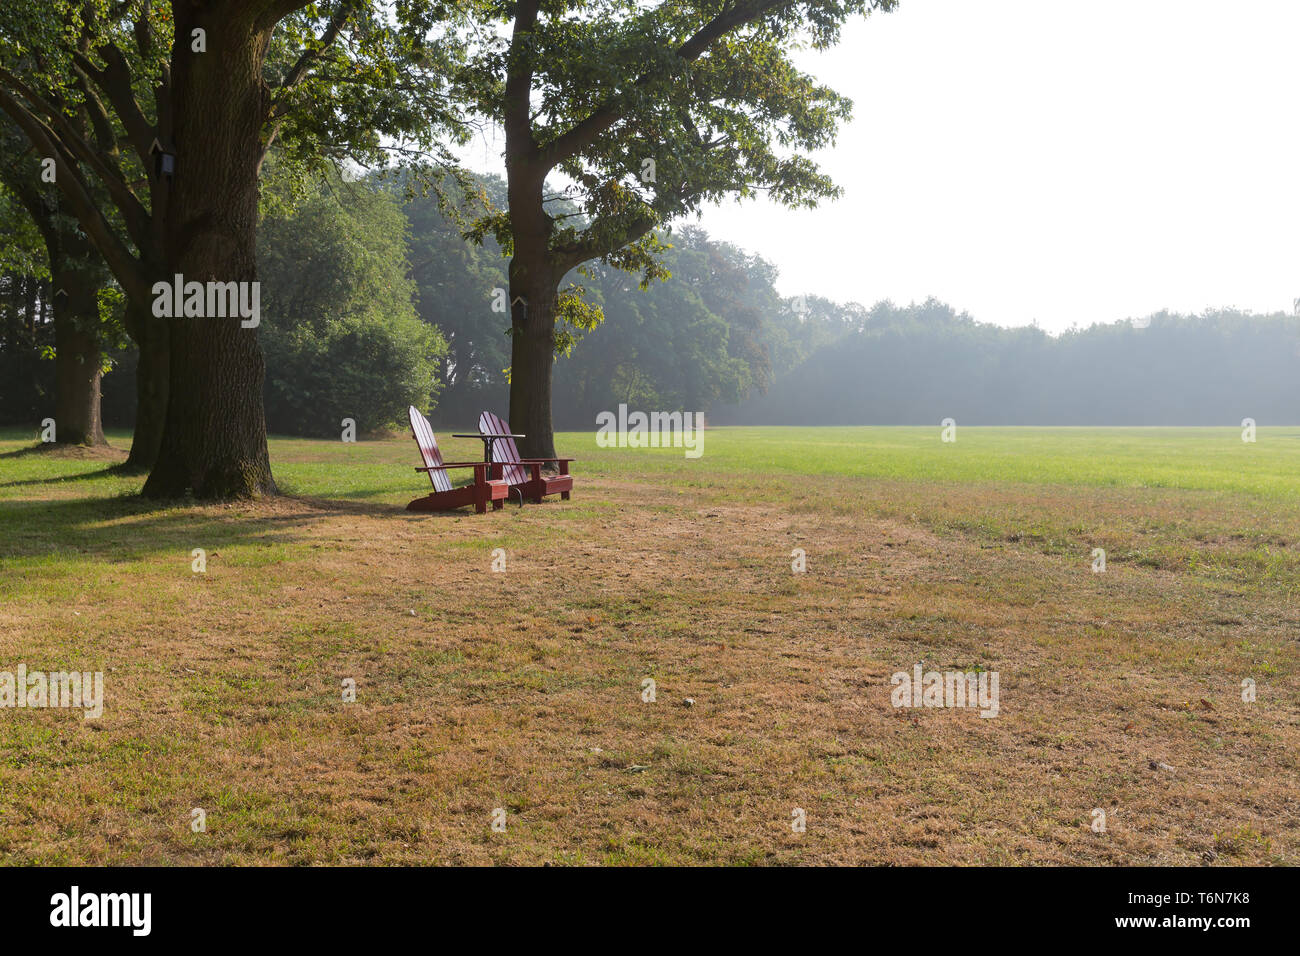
pixel 29 450
pixel 119 470
pixel 61 449
pixel 123 528
pixel 127 528
pixel 352 503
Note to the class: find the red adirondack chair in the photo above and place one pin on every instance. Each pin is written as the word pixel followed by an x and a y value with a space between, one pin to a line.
pixel 444 497
pixel 524 475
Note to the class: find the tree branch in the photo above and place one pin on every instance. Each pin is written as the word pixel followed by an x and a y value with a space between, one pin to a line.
pixel 134 215
pixel 593 243
pixel 96 115
pixel 125 266
pixel 520 143
pixel 298 72
pixel 115 82
pixel 273 11
pixel 582 135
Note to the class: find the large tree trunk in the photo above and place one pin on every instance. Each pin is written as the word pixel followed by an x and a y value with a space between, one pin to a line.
pixel 533 298
pixel 77 360
pixel 76 276
pixel 214 439
pixel 151 386
pixel 532 355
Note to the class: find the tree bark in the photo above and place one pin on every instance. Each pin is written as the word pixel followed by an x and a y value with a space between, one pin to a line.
pixel 214 436
pixel 78 365
pixel 151 385
pixel 533 297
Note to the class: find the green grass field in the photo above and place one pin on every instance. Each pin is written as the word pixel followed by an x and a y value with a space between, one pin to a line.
pixel 522 689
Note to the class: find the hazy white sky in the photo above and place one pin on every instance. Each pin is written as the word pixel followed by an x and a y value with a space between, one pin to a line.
pixel 1055 160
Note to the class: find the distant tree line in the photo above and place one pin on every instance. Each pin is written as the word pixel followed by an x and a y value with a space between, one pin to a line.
pixel 919 364
pixel 373 299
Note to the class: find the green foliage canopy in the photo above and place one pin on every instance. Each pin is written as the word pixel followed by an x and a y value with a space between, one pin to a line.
pixel 341 333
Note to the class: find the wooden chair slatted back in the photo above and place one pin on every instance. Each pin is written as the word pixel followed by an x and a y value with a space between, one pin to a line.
pixel 503 449
pixel 423 433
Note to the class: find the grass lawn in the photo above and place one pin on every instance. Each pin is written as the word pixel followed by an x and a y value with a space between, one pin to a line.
pixel 522 689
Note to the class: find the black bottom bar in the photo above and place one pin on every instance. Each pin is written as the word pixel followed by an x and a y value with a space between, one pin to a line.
pixel 910 906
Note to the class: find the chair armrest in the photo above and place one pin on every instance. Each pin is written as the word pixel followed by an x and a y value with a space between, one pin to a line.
pixel 456 464
pixel 529 461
